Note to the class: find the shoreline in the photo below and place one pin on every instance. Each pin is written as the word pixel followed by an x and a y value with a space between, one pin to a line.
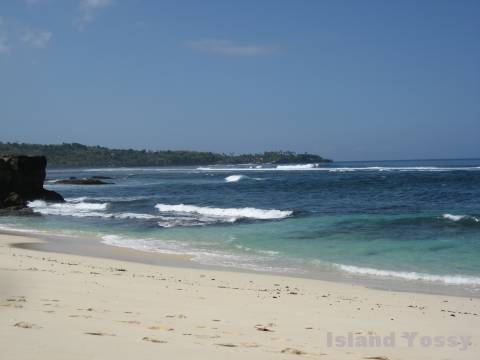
pixel 111 309
pixel 94 247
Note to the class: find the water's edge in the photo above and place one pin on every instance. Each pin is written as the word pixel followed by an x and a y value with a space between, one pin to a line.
pixel 92 247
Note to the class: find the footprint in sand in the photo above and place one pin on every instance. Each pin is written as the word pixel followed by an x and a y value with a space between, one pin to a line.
pixel 134 322
pixel 157 341
pixel 161 327
pixel 293 351
pixel 87 309
pixel 98 333
pixel 83 316
pixel 179 316
pixel 261 327
pixel 201 336
pixel 227 345
pixel 13 302
pixel 26 325
pixel 17 299
pixel 14 305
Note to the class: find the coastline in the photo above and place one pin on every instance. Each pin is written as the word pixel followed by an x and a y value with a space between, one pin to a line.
pixel 105 308
pixel 92 246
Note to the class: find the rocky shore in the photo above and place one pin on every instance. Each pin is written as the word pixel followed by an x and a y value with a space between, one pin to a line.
pixel 21 180
pixel 94 180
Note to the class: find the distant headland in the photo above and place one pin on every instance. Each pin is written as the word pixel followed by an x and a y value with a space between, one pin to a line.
pixel 78 155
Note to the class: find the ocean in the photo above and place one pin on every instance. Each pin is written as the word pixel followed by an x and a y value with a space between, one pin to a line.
pixel 394 224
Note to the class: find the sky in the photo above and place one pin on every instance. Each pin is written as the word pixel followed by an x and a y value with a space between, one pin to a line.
pixel 348 80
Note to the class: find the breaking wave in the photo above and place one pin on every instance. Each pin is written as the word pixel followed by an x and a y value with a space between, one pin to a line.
pixel 76 207
pixel 461 218
pixel 170 215
pixel 107 198
pixel 317 167
pixel 134 216
pixel 297 167
pixel 445 279
pixel 228 213
pixel 235 178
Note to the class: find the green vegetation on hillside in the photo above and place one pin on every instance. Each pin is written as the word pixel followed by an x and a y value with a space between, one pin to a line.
pixel 78 155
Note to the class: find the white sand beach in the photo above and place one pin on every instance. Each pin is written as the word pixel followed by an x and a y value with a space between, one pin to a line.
pixel 57 306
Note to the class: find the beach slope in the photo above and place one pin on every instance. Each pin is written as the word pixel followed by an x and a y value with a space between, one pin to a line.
pixel 55 306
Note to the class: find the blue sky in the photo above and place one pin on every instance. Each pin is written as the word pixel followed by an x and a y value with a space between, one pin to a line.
pixel 350 80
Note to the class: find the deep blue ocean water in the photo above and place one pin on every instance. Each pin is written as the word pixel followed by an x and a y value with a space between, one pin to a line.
pixel 410 221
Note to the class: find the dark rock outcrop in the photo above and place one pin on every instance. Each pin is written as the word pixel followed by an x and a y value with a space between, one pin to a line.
pixel 21 180
pixel 84 181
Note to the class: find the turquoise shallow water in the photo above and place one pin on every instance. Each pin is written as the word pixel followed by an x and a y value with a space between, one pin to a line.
pixel 410 221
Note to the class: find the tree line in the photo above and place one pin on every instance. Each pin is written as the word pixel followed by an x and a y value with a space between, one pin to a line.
pixel 78 155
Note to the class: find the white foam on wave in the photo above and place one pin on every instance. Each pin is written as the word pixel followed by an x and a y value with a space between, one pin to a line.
pixel 18 229
pixel 76 207
pixel 229 213
pixel 134 216
pixel 76 199
pixel 235 178
pixel 460 217
pixel 107 198
pixel 297 167
pixel 171 215
pixel 453 217
pixel 167 247
pixel 317 167
pixel 132 169
pixel 14 228
pixel 445 279
pixel 77 204
pixel 205 256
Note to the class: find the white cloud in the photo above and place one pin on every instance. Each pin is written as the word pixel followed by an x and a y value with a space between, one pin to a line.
pixel 4 48
pixel 37 39
pixel 88 9
pixel 226 47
